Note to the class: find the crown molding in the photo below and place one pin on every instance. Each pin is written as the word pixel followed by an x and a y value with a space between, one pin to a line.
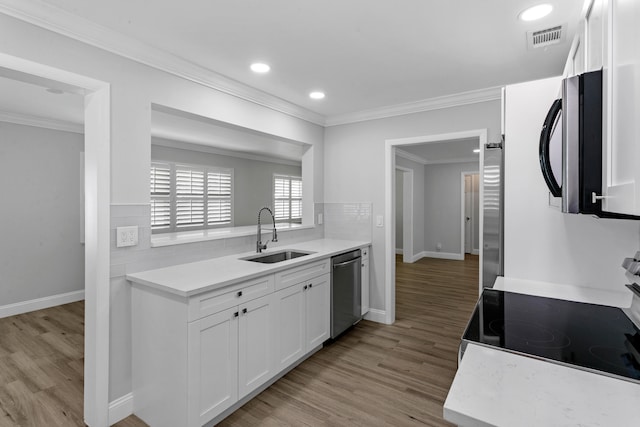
pixel 57 20
pixel 441 102
pixel 41 122
pixel 411 156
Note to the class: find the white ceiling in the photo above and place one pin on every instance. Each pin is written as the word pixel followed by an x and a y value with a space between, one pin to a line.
pixel 364 54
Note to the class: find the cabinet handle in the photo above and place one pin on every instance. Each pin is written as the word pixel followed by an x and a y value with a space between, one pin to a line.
pixel 235 314
pixel 363 265
pixel 239 293
pixel 310 285
pixel 304 287
pixel 244 311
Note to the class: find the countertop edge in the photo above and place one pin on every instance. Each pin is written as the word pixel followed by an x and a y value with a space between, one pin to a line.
pixel 263 269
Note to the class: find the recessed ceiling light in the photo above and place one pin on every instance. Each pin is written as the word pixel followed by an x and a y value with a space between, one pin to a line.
pixel 535 12
pixel 260 67
pixel 476 150
pixel 316 95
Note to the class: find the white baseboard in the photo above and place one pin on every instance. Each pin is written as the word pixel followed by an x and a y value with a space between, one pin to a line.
pixel 376 315
pixel 441 255
pixel 40 303
pixel 475 252
pixel 399 251
pixel 120 408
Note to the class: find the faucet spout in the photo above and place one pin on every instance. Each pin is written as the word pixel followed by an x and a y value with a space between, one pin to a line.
pixel 259 245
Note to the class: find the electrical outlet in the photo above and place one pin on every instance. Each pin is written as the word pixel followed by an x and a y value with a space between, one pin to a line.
pixel 126 236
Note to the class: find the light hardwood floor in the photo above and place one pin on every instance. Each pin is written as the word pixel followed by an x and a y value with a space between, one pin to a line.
pixel 374 375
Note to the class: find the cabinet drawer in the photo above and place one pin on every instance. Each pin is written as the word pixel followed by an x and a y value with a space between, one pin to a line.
pixel 221 299
pixel 295 275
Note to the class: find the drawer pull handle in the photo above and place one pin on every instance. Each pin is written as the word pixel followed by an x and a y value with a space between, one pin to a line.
pixel 239 293
pixel 310 285
pixel 235 314
pixel 304 287
pixel 244 311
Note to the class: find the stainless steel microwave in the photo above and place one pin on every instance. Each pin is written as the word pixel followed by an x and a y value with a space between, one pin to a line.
pixel 571 146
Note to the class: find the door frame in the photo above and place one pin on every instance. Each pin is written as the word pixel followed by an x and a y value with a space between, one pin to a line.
pixel 407 214
pixel 463 202
pixel 389 190
pixel 97 173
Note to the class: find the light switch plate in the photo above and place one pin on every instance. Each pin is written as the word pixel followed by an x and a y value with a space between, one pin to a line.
pixel 379 221
pixel 319 219
pixel 126 236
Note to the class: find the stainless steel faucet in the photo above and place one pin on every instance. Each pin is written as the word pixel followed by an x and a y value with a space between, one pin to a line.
pixel 259 245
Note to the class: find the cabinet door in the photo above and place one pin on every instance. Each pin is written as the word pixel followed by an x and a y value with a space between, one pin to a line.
pixel 256 344
pixel 365 285
pixel 318 311
pixel 621 174
pixel 594 35
pixel 213 366
pixel 290 325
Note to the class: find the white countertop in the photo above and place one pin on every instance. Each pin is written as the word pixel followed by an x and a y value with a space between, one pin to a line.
pixel 202 276
pixel 497 388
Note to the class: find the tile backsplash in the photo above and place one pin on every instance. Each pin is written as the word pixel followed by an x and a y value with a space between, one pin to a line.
pixel 351 221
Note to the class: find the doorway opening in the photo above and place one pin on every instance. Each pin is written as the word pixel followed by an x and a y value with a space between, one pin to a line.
pixel 441 249
pixel 470 212
pixel 404 213
pixel 96 180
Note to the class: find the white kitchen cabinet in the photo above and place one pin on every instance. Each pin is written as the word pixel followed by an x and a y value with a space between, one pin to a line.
pixel 595 35
pixel 256 336
pixel 302 319
pixel 318 310
pixel 621 174
pixel 364 277
pixel 213 365
pixel 230 355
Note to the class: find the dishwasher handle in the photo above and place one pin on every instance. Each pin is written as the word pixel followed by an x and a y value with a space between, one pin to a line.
pixel 343 264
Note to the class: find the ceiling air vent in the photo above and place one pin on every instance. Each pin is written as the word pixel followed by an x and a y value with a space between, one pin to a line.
pixel 546 37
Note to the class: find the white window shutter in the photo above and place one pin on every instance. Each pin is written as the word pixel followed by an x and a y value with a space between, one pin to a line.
pixel 219 197
pixel 189 197
pixel 160 196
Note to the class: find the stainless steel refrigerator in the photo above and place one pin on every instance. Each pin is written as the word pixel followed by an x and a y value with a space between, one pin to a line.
pixel 493 230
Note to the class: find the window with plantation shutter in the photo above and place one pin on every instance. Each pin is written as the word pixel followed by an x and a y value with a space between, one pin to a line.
pixel 160 196
pixel 287 198
pixel 189 197
pixel 185 197
pixel 219 197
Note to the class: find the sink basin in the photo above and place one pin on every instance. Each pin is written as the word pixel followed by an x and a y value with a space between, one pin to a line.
pixel 276 256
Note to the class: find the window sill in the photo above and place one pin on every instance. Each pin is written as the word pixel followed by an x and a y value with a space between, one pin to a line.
pixel 182 237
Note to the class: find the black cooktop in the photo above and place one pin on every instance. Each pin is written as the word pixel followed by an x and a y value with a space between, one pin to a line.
pixel 588 336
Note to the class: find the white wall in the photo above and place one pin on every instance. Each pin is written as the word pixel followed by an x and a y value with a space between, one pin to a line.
pixel 442 198
pixel 347 145
pixel 252 179
pixel 399 211
pixel 40 251
pixel 134 87
pixel 418 203
pixel 541 243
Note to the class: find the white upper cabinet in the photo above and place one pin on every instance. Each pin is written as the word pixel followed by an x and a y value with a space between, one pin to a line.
pixel 621 152
pixel 595 35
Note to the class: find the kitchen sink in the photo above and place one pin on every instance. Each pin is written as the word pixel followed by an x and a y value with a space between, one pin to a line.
pixel 276 256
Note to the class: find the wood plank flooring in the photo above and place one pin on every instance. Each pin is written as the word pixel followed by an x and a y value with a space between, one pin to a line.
pixel 380 375
pixel 375 375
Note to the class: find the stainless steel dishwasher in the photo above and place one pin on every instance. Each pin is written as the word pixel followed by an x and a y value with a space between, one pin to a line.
pixel 345 291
